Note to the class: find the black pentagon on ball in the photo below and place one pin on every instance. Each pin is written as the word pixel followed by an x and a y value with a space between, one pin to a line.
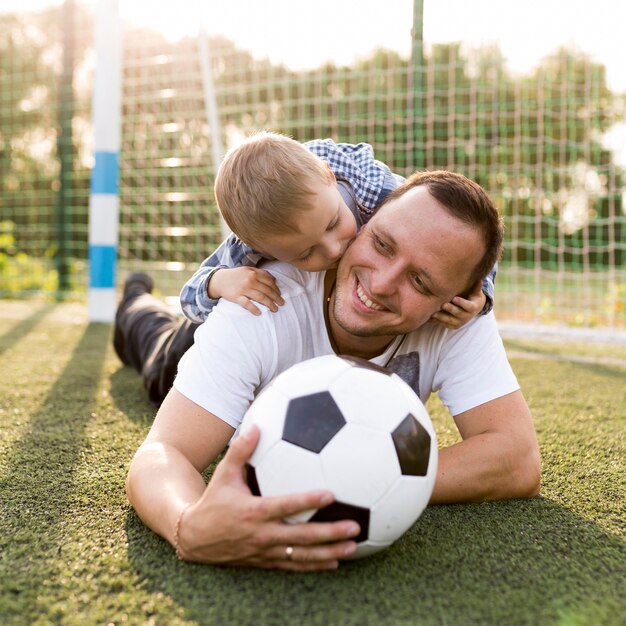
pixel 365 364
pixel 339 511
pixel 412 443
pixel 312 421
pixel 252 481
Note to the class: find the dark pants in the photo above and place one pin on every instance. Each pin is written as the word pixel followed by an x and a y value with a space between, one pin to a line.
pixel 152 339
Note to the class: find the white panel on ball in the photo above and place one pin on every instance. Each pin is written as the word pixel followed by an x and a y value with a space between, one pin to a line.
pixel 398 509
pixel 290 469
pixel 356 438
pixel 268 413
pixel 360 464
pixel 353 393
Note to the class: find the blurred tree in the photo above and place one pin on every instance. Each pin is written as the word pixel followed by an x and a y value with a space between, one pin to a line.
pixel 533 141
pixel 30 67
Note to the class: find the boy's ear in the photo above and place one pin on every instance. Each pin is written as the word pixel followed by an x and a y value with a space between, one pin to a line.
pixel 327 164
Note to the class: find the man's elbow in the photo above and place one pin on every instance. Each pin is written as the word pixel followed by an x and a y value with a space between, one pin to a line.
pixel 528 474
pixel 144 455
pixel 130 480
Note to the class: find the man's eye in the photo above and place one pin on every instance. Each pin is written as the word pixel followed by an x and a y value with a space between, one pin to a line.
pixel 417 282
pixel 380 244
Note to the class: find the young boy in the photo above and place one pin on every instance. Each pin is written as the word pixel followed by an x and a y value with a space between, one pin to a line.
pixel 302 204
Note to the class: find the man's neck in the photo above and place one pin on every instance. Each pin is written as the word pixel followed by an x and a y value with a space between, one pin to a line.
pixel 342 341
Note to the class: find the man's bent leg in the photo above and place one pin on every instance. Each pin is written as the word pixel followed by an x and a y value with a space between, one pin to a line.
pixel 150 337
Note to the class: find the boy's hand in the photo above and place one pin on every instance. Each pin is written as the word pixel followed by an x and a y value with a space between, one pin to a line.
pixel 457 313
pixel 241 285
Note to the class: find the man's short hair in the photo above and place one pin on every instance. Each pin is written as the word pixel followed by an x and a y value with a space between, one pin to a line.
pixel 467 201
pixel 262 182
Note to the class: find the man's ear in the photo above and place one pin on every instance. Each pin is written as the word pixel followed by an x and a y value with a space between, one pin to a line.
pixel 327 164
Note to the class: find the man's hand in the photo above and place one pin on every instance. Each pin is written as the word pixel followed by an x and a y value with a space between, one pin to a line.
pixel 228 525
pixel 460 311
pixel 242 285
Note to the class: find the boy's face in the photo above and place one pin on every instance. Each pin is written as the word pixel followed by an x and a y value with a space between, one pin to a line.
pixel 324 231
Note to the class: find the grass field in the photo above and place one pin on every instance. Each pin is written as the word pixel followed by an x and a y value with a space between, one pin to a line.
pixel 73 552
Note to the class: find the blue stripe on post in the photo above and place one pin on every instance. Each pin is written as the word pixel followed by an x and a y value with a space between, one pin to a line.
pixel 105 174
pixel 102 261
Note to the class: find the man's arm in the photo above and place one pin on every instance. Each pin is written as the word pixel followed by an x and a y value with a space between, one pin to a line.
pixel 498 457
pixel 223 523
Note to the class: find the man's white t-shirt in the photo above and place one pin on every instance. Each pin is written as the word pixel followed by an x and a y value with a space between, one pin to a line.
pixel 236 354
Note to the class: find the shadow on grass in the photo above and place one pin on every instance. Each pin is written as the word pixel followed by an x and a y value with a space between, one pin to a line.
pixel 518 562
pixel 130 397
pixel 600 369
pixel 38 488
pixel 21 329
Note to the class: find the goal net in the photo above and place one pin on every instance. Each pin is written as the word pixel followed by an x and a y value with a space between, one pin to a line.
pixel 545 139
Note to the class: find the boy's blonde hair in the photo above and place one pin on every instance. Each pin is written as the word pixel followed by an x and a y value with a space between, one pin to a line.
pixel 262 182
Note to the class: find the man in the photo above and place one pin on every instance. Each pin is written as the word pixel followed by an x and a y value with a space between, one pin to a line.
pixel 434 238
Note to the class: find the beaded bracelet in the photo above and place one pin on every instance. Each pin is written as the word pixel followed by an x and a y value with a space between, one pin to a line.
pixel 177 531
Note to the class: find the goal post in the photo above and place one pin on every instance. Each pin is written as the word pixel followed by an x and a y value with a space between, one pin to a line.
pixel 104 196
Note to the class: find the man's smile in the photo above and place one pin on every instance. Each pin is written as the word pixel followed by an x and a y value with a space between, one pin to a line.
pixel 368 302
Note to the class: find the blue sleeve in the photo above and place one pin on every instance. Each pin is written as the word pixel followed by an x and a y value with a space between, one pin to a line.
pixel 489 283
pixel 194 296
pixel 370 179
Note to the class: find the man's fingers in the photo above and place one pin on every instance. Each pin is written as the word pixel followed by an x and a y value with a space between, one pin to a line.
pixel 312 555
pixel 279 507
pixel 302 557
pixel 314 534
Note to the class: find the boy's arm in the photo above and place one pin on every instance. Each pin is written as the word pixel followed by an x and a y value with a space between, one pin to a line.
pixel 194 296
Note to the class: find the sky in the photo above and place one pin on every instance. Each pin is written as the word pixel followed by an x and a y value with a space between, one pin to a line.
pixel 303 33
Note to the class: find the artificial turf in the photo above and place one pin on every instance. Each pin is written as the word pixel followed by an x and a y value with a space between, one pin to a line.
pixel 73 552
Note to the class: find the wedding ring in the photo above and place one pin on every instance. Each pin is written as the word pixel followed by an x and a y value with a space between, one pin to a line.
pixel 289 553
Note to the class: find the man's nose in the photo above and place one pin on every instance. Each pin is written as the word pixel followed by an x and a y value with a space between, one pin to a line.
pixel 384 278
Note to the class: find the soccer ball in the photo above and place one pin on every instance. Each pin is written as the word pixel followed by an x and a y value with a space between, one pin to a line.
pixel 354 428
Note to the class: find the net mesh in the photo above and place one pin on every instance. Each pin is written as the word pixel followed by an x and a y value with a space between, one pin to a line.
pixel 535 141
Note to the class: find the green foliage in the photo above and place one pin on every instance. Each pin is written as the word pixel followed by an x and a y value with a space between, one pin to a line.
pixel 19 272
pixel 30 71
